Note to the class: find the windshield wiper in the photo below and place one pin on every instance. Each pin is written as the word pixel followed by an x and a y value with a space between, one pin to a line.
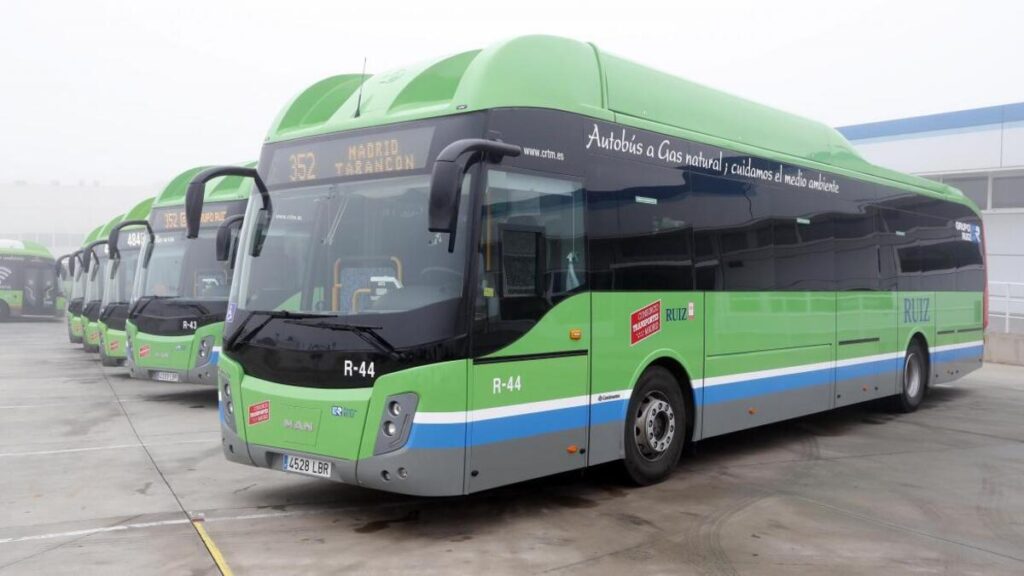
pixel 367 334
pixel 242 339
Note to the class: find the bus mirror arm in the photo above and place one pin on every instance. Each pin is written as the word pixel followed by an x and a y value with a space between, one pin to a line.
pixel 224 236
pixel 115 235
pixel 446 180
pixel 197 191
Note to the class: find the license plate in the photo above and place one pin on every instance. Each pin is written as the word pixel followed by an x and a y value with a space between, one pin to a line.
pixel 308 466
pixel 167 376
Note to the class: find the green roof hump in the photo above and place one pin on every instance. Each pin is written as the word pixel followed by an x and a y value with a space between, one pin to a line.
pixel 173 193
pixel 562 74
pixel 24 248
pixel 140 211
pixel 91 237
pixel 230 187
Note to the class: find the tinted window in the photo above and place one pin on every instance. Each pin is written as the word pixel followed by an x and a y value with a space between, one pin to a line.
pixel 803 237
pixel 857 265
pixel 640 220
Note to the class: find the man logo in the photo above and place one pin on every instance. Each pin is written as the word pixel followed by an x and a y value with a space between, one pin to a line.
pixel 297 425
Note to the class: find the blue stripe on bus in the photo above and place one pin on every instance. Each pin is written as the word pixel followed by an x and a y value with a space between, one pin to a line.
pixel 958 354
pixel 526 425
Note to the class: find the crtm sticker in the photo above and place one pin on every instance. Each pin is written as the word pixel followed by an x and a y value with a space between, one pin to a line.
pixel 259 412
pixel 645 322
pixel 143 350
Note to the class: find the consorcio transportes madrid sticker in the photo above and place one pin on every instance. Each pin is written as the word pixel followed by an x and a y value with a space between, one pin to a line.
pixel 645 322
pixel 259 412
pixel 143 351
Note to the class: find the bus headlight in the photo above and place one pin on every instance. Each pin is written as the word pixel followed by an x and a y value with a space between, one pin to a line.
pixel 205 345
pixel 396 422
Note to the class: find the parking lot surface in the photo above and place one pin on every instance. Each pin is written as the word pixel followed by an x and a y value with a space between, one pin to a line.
pixel 101 474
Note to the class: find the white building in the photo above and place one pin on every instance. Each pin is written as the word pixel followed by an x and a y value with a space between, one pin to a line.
pixel 981 152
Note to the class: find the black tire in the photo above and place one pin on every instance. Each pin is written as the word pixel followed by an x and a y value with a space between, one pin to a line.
pixel 5 311
pixel 914 384
pixel 655 427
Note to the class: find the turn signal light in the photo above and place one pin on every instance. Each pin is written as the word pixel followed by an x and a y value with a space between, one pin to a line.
pixel 575 334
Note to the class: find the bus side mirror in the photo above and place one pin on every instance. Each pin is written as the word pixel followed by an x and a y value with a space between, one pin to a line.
pixel 197 192
pixel 114 263
pixel 226 236
pixel 446 180
pixel 115 236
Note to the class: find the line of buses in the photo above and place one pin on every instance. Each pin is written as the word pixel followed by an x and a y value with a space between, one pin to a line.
pixel 521 260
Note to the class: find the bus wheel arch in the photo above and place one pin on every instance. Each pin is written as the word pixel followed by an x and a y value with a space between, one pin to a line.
pixel 657 421
pixel 682 377
pixel 914 375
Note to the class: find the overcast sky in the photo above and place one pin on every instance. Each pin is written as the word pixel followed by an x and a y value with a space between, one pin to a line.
pixel 133 92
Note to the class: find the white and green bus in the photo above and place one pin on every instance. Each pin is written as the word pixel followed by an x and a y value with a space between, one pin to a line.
pixel 29 282
pixel 537 257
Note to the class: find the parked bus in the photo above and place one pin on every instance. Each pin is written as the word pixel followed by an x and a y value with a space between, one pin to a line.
pixel 62 268
pixel 180 289
pixel 28 281
pixel 76 327
pixel 96 265
pixel 123 244
pixel 537 257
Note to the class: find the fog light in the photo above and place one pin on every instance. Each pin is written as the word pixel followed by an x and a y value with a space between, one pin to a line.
pixel 390 428
pixel 395 408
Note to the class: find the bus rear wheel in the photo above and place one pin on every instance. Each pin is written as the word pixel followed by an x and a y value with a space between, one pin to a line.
pixel 655 429
pixel 5 311
pixel 915 379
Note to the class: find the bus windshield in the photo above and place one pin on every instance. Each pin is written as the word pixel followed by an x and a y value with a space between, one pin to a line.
pixel 78 284
pixel 119 288
pixel 350 248
pixel 94 281
pixel 181 268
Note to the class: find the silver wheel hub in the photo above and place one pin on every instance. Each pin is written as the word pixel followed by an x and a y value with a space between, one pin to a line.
pixel 654 426
pixel 912 376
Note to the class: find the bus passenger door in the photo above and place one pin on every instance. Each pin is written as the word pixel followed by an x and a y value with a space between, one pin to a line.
pixel 529 383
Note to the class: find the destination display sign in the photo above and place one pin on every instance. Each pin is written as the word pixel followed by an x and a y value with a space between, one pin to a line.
pixel 172 219
pixel 380 153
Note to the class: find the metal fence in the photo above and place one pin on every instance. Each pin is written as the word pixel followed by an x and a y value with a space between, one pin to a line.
pixel 1006 307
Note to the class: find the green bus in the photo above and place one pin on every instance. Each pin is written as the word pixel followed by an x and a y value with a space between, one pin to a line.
pixel 29 285
pixel 96 267
pixel 123 245
pixel 537 257
pixel 76 326
pixel 180 290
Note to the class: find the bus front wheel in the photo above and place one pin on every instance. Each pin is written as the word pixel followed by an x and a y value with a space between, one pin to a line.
pixel 915 378
pixel 655 429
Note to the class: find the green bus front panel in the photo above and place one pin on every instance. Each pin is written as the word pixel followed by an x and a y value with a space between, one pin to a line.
pixel 175 358
pixel 77 327
pixel 13 300
pixel 92 336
